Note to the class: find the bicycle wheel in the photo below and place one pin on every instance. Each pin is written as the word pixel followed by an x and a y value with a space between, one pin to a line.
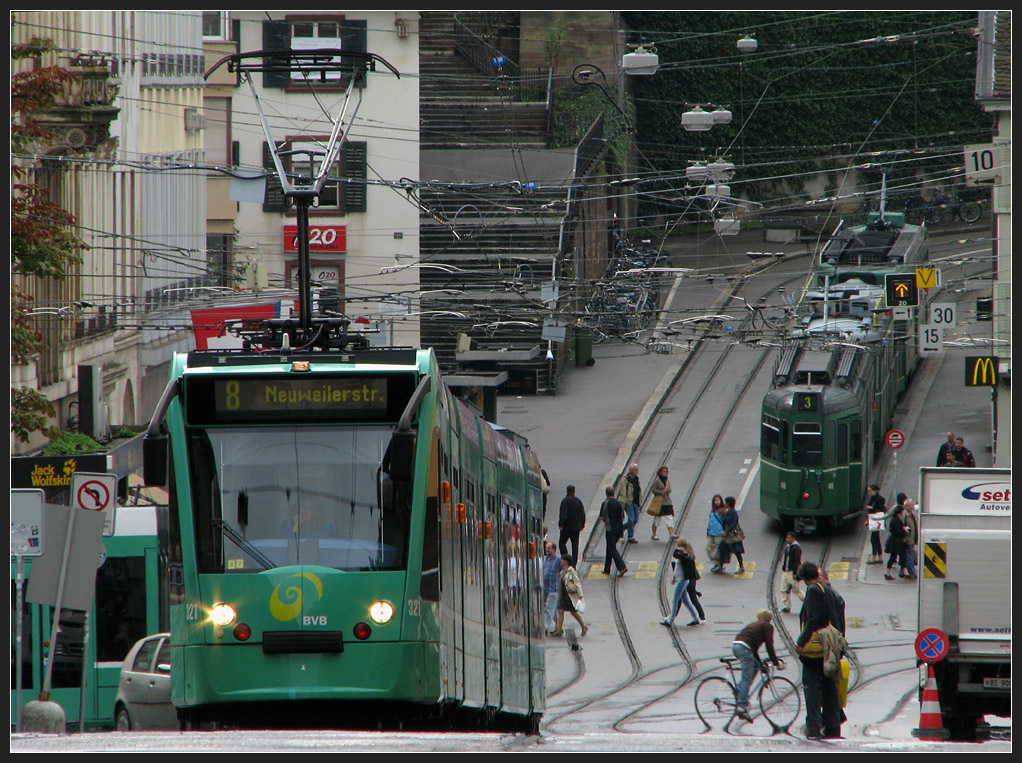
pixel 914 215
pixel 780 701
pixel 970 211
pixel 716 702
pixel 941 214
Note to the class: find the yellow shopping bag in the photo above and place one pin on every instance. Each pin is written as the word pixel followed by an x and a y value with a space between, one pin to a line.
pixel 842 683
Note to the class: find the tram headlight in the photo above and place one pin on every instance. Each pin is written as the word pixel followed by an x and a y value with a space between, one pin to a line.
pixel 381 612
pixel 222 615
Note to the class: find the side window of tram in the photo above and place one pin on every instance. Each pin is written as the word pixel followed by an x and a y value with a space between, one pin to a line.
pixel 770 439
pixel 855 440
pixel 120 607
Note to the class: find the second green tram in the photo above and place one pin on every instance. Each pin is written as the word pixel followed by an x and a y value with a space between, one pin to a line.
pixel 835 386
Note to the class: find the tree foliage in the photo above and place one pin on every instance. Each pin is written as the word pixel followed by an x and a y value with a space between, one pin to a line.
pixel 43 244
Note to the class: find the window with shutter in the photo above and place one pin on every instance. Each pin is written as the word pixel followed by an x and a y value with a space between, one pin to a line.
pixel 353 165
pixel 273 199
pixel 309 32
pixel 336 196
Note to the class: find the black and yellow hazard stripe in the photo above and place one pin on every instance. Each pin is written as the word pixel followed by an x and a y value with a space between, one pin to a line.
pixel 935 560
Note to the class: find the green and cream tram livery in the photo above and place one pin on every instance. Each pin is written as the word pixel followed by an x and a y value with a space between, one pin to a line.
pixel 835 386
pixel 356 545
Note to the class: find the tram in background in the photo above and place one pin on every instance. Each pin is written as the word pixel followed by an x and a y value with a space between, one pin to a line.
pixel 835 386
pixel 356 546
pixel 125 609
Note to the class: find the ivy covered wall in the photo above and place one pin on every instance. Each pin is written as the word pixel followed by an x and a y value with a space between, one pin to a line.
pixel 881 92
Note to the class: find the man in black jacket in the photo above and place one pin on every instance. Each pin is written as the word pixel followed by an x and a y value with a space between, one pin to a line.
pixel 823 706
pixel 789 567
pixel 571 520
pixel 614 519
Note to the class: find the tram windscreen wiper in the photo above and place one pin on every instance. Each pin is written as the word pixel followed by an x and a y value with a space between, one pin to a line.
pixel 244 545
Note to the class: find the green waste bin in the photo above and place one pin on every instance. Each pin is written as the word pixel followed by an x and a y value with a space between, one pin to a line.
pixel 584 346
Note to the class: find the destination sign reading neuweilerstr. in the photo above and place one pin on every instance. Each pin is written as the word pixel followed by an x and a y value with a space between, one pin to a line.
pixel 301 394
pixel 310 399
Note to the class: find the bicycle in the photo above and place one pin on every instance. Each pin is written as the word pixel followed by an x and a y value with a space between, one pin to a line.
pixel 966 210
pixel 717 698
pixel 934 212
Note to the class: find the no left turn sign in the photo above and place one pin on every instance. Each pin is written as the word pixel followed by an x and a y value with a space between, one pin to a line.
pixel 96 492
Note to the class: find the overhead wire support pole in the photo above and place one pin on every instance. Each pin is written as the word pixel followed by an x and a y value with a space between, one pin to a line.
pixel 305 191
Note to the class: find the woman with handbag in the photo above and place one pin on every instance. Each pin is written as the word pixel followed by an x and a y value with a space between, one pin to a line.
pixel 684 571
pixel 733 535
pixel 571 599
pixel 660 505
pixel 714 529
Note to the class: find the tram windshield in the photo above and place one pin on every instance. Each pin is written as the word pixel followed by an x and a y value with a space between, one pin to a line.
pixel 807 444
pixel 268 497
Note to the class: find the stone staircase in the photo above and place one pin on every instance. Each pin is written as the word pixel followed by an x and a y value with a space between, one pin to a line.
pixel 490 246
pixel 460 106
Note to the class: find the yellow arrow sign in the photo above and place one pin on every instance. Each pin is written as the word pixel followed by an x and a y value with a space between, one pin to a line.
pixel 901 289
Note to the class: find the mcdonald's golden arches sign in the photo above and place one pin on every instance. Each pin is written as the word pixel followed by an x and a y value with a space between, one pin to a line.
pixel 981 372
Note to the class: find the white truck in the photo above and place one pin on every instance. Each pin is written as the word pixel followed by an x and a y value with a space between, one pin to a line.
pixel 964 549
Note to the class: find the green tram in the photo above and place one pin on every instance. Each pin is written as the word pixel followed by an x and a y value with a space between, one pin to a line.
pixel 355 545
pixel 125 609
pixel 835 387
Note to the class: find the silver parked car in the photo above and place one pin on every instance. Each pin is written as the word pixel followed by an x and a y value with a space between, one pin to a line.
pixel 143 693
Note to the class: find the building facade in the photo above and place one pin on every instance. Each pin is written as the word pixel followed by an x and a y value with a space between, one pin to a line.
pixel 364 243
pixel 121 159
pixel 993 91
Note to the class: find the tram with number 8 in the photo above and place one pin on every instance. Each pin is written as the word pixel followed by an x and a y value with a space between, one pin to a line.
pixel 835 386
pixel 355 545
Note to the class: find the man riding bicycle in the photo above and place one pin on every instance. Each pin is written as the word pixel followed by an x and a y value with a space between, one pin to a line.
pixel 745 648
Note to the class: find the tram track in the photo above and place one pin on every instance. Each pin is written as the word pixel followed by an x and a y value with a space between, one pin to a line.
pixel 711 382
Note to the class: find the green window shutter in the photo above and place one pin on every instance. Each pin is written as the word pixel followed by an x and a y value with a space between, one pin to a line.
pixel 353 38
pixel 274 199
pixel 277 36
pixel 353 167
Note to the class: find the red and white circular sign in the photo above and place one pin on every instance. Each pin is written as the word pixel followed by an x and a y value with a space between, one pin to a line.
pixel 895 438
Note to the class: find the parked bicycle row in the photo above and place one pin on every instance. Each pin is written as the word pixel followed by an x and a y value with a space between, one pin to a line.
pixel 939 209
pixel 626 300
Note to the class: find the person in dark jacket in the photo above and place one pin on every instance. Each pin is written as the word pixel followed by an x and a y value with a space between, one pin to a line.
pixel 734 546
pixel 823 705
pixel 963 455
pixel 684 573
pixel 614 520
pixel 896 542
pixel 790 562
pixel 746 649
pixel 946 448
pixel 571 520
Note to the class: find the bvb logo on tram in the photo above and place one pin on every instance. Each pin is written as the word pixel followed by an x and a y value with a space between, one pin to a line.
pixel 287 604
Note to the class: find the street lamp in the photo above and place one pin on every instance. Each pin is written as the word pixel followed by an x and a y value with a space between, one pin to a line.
pixel 584 74
pixel 747 44
pixel 697 120
pixel 640 61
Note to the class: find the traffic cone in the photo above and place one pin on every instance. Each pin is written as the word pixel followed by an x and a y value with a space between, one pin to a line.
pixel 930 723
